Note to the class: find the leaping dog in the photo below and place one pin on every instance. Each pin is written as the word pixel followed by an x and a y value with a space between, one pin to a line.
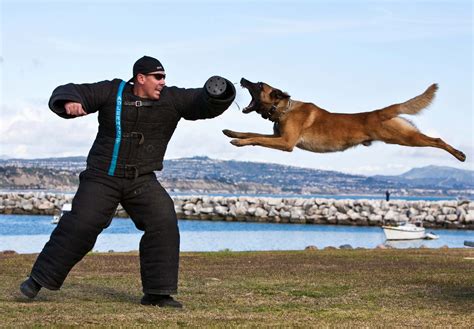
pixel 314 129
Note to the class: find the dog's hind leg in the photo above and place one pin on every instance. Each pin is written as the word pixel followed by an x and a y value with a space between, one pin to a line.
pixel 403 132
pixel 423 140
pixel 420 140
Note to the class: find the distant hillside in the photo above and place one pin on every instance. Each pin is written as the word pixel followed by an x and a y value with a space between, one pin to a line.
pixel 205 175
pixel 438 172
pixel 287 178
pixel 75 163
pixel 434 177
pixel 15 178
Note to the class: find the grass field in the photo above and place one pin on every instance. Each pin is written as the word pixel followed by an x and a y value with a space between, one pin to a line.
pixel 374 288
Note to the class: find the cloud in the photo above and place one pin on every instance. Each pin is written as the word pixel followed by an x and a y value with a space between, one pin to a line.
pixel 380 23
pixel 33 131
pixel 380 169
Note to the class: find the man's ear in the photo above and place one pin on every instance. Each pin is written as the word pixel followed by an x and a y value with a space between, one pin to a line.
pixel 278 94
pixel 140 78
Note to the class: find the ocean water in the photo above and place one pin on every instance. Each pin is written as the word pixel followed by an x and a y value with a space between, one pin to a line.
pixel 393 196
pixel 28 234
pixel 331 196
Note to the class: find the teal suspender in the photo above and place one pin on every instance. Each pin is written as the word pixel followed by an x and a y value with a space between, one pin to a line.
pixel 118 129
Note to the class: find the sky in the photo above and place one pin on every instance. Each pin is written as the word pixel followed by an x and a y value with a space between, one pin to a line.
pixel 344 56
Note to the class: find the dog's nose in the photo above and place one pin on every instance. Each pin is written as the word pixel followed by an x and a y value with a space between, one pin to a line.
pixel 243 81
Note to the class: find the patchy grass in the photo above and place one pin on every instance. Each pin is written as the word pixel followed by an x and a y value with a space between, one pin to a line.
pixel 374 288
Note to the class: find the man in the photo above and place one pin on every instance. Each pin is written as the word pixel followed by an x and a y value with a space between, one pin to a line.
pixel 136 122
pixel 387 195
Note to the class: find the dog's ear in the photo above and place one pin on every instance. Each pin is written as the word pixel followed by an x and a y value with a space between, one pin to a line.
pixel 278 94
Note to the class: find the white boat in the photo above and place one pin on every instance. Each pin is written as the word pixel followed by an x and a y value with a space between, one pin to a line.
pixel 66 208
pixel 431 236
pixel 405 231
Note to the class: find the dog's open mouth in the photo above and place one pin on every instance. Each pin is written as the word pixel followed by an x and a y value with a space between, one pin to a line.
pixel 251 87
pixel 251 107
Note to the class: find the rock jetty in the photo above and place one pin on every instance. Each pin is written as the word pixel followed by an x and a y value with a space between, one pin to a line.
pixel 433 214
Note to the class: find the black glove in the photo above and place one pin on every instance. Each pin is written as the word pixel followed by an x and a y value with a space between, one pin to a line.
pixel 217 86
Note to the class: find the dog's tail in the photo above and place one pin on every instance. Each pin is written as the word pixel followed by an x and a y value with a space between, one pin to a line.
pixel 412 106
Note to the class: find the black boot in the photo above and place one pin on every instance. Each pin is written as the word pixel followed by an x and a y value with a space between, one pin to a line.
pixel 30 288
pixel 160 300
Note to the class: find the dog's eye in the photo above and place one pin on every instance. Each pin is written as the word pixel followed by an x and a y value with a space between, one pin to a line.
pixel 260 85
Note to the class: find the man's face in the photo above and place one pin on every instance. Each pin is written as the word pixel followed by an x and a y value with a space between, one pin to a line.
pixel 150 85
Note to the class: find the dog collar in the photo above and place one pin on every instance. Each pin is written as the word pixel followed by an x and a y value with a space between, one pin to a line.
pixel 288 105
pixel 273 109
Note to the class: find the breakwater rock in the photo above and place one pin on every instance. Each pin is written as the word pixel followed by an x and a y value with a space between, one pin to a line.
pixel 440 214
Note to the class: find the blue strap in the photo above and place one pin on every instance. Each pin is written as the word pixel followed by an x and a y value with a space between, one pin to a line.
pixel 118 129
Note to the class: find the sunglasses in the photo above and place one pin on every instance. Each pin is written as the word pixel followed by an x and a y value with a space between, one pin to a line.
pixel 158 76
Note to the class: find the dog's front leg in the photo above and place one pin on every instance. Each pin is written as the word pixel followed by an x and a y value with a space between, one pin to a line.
pixel 274 142
pixel 236 134
pixel 290 132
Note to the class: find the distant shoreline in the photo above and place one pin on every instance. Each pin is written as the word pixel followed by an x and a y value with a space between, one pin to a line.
pixel 276 195
pixel 206 176
pixel 449 214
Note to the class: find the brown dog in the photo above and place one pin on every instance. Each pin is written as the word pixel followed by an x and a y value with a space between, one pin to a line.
pixel 311 128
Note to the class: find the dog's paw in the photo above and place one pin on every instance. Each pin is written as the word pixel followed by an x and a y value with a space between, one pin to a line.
pixel 237 142
pixel 229 133
pixel 460 156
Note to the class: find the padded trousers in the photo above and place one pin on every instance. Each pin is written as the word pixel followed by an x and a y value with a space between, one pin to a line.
pixel 150 208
